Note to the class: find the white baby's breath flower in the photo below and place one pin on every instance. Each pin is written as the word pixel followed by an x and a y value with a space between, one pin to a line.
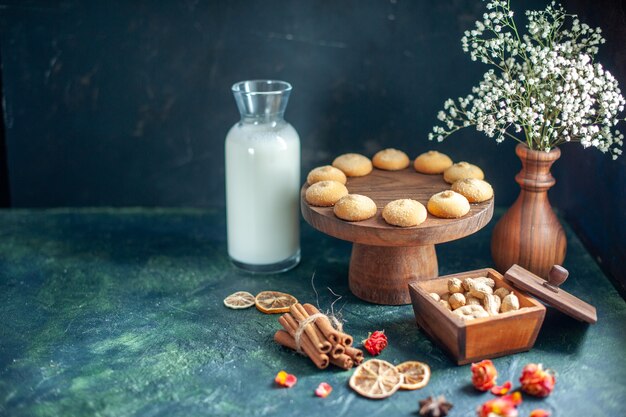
pixel 546 85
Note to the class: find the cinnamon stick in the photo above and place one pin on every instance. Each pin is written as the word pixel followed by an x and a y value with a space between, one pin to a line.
pixel 347 339
pixel 355 354
pixel 337 350
pixel 324 325
pixel 290 325
pixel 323 346
pixel 343 361
pixel 326 343
pixel 283 338
pixel 333 335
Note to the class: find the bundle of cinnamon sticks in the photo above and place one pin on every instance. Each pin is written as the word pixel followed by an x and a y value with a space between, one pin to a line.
pixel 319 340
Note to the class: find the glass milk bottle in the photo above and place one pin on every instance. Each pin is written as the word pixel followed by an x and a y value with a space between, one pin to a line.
pixel 263 180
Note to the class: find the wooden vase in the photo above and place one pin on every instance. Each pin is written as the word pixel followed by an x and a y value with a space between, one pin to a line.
pixel 529 234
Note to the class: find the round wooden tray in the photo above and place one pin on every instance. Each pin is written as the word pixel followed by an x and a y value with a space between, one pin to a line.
pixel 386 258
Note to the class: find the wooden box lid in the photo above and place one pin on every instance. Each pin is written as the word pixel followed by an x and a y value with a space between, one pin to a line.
pixel 550 293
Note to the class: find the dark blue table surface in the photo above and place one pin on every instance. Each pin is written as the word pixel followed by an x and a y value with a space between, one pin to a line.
pixel 118 312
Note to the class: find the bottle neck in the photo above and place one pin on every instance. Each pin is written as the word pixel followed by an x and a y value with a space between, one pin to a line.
pixel 261 101
pixel 536 173
pixel 262 119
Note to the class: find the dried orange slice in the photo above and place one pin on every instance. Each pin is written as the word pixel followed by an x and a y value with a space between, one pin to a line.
pixel 376 379
pixel 416 375
pixel 239 300
pixel 274 302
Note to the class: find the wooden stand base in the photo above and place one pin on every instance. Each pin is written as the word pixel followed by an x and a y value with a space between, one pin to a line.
pixel 381 274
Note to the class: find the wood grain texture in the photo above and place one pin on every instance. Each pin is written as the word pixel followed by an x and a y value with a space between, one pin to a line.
pixel 385 186
pixel 561 300
pixel 386 258
pixel 397 266
pixel 482 338
pixel 530 234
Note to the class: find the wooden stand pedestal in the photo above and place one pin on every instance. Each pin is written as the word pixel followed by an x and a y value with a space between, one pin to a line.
pixel 381 274
pixel 385 258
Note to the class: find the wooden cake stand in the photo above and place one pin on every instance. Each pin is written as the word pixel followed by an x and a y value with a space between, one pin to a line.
pixel 385 258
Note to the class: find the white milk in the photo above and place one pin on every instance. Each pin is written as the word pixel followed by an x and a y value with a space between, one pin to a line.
pixel 262 192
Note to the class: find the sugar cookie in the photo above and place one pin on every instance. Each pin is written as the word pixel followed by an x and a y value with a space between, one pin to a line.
pixel 326 173
pixel 462 170
pixel 475 190
pixel 432 162
pixel 404 213
pixel 355 207
pixel 448 204
pixel 353 164
pixel 391 160
pixel 325 193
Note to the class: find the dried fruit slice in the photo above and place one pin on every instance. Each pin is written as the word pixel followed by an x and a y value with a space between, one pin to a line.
pixel 239 300
pixel 274 302
pixel 376 379
pixel 416 375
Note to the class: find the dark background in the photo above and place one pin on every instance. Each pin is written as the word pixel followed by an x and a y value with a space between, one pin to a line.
pixel 127 103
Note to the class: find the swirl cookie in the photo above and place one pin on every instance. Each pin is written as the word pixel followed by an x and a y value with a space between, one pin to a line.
pixel 326 173
pixel 355 207
pixel 448 205
pixel 391 160
pixel 432 162
pixel 475 190
pixel 404 213
pixel 325 193
pixel 462 170
pixel 353 164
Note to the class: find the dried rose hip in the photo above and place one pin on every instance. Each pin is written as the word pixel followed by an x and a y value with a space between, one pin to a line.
pixel 376 342
pixel 537 381
pixel 484 375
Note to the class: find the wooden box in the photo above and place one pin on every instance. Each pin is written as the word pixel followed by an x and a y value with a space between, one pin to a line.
pixel 482 338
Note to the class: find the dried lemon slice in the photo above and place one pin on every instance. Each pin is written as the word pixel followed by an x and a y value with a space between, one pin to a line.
pixel 239 300
pixel 376 379
pixel 274 302
pixel 416 375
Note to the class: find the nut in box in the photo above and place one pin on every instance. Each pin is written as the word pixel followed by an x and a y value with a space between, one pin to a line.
pixel 482 337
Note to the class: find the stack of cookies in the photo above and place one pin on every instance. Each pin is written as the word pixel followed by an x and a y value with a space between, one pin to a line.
pixel 327 187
